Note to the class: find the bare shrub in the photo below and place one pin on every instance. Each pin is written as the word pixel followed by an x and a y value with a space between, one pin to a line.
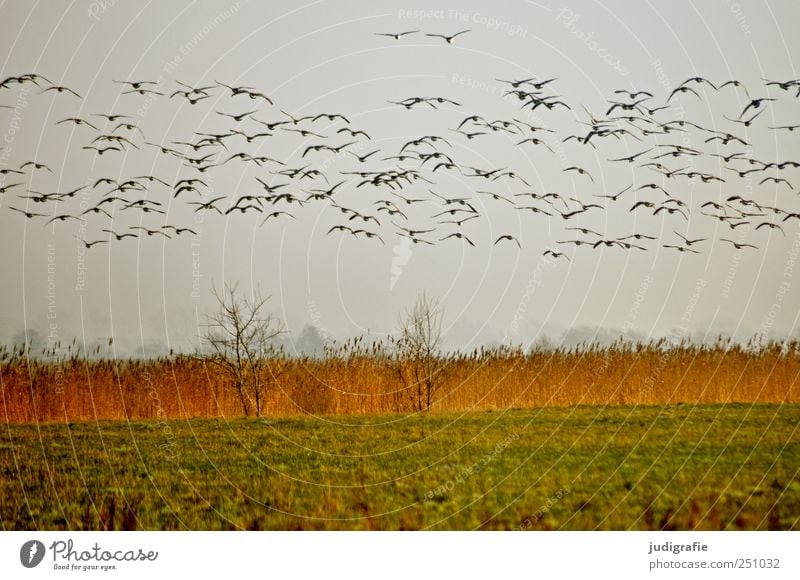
pixel 419 362
pixel 241 336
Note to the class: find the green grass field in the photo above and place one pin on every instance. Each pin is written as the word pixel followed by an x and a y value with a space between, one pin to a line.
pixel 582 468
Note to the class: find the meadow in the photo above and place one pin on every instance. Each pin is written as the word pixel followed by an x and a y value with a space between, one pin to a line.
pixel 668 467
pixel 628 436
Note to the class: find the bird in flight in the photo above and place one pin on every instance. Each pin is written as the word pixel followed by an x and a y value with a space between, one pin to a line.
pixel 460 236
pixel 585 231
pixel 615 196
pixel 449 39
pixel 35 165
pixel 682 90
pixel 60 89
pixel 580 171
pixel 632 158
pixel 62 217
pixel 136 84
pixel 111 118
pixel 636 237
pixel 142 92
pixel 77 121
pixel 5 188
pixel 536 141
pixel 739 245
pixel 777 180
pixel 771 226
pixel 745 122
pixel 87 244
pixel 396 35
pixel 698 80
pixel 755 104
pixel 27 214
pixel 121 236
pixel 556 254
pixel 681 248
pixel 689 242
pixel 101 150
pixel 508 237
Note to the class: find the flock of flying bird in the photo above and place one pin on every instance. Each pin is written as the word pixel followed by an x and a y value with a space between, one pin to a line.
pixel 400 184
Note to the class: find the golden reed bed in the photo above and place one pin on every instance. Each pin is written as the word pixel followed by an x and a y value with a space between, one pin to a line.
pixel 358 379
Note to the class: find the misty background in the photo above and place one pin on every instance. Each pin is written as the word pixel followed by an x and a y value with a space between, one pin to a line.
pixel 151 294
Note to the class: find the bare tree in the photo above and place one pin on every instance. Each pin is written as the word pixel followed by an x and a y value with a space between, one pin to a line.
pixel 420 363
pixel 241 336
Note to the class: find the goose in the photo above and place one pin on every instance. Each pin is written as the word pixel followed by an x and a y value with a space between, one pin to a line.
pixel 111 118
pixel 555 254
pixel 535 142
pixel 179 231
pixel 508 237
pixel 396 35
pixel 459 221
pixel 35 165
pixel 363 158
pixel 615 196
pixel 27 214
pixel 101 150
pixel 60 89
pixel 755 104
pixel 39 197
pixel 776 180
pixel 296 120
pixel 497 197
pixel 698 80
pixel 586 231
pixel 683 90
pixel 353 133
pixel 5 188
pixel 87 244
pixel 235 90
pixel 150 232
pixel 120 237
pixel 746 122
pixel 739 245
pixel 142 92
pixel 631 158
pixel 787 127
pixel 276 214
pixel 208 204
pixel 77 121
pixel 458 235
pixel 96 210
pixel 580 171
pixel 191 97
pixel 771 226
pixel 62 217
pixel 681 248
pixel 449 39
pixel 136 84
pixel 636 237
pixel 632 95
pixel 689 242
pixel 237 117
pixel 330 117
pixel 469 135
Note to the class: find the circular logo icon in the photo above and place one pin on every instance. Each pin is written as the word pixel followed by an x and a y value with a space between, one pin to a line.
pixel 31 553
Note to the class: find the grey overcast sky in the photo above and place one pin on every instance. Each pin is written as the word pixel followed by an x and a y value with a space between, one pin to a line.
pixel 324 56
